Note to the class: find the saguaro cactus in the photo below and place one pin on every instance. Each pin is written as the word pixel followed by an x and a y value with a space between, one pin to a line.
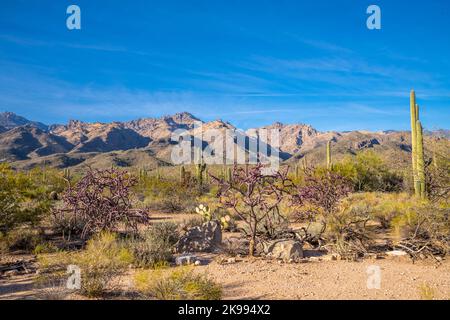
pixel 207 180
pixel 304 163
pixel 230 175
pixel 417 150
pixel 329 164
pixel 66 174
pixel 182 175
pixel 420 164
pixel 158 173
pixel 142 174
pixel 201 167
pixel 414 118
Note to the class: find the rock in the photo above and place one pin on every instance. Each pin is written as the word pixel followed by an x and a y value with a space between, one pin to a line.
pixel 397 255
pixel 284 250
pixel 11 273
pixel 236 246
pixel 197 263
pixel 331 257
pixel 231 260
pixel 316 259
pixel 201 239
pixel 368 143
pixel 185 260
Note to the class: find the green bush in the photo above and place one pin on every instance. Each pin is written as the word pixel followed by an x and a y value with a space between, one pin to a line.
pixel 167 196
pixel 369 173
pixel 23 201
pixel 179 284
pixel 45 247
pixel 25 239
pixel 153 247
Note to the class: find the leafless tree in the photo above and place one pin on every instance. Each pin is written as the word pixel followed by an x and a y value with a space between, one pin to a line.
pixel 253 196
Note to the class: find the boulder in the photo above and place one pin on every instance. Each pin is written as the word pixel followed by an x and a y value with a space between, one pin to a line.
pixel 398 255
pixel 185 260
pixel 236 246
pixel 201 239
pixel 286 250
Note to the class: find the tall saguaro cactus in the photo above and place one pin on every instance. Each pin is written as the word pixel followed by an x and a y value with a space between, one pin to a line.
pixel 182 175
pixel 414 118
pixel 201 167
pixel 420 165
pixel 417 150
pixel 329 164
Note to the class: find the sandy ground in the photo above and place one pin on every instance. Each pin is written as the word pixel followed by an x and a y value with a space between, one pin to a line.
pixel 268 279
pixel 260 279
pixel 315 278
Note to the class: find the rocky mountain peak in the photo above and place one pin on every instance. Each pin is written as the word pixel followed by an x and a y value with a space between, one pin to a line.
pixel 10 120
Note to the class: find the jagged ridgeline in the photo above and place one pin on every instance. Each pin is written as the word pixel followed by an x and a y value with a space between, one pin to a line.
pixel 146 144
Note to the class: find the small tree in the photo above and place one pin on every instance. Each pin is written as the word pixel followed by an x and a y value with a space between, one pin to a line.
pixel 322 191
pixel 252 196
pixel 101 199
pixel 319 196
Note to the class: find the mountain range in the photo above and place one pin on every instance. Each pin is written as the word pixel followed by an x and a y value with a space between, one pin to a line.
pixel 146 142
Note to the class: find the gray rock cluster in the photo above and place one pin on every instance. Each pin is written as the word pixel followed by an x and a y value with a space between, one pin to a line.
pixel 201 239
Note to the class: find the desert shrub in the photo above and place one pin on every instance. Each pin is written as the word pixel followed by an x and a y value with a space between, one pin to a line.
pixel 253 196
pixel 167 196
pixel 103 259
pixel 192 222
pixel 273 226
pixel 346 231
pixel 321 192
pixel 385 208
pixel 22 201
pixel 368 172
pixel 48 179
pixel 425 231
pixel 438 171
pixel 67 223
pixel 102 200
pixel 419 227
pixel 24 238
pixel 153 247
pixel 427 292
pixel 327 218
pixel 45 247
pixel 52 287
pixel 179 284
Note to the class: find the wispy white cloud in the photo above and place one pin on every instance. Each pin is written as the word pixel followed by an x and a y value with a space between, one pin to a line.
pixel 23 41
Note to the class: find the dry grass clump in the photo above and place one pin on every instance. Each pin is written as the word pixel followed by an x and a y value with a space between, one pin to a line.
pixel 177 284
pixel 104 259
pixel 154 246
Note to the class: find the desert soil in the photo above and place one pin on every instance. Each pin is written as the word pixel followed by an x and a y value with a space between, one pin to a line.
pixel 317 278
pixel 268 279
pixel 263 279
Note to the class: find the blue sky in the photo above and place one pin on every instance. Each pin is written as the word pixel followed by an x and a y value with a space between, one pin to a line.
pixel 247 62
